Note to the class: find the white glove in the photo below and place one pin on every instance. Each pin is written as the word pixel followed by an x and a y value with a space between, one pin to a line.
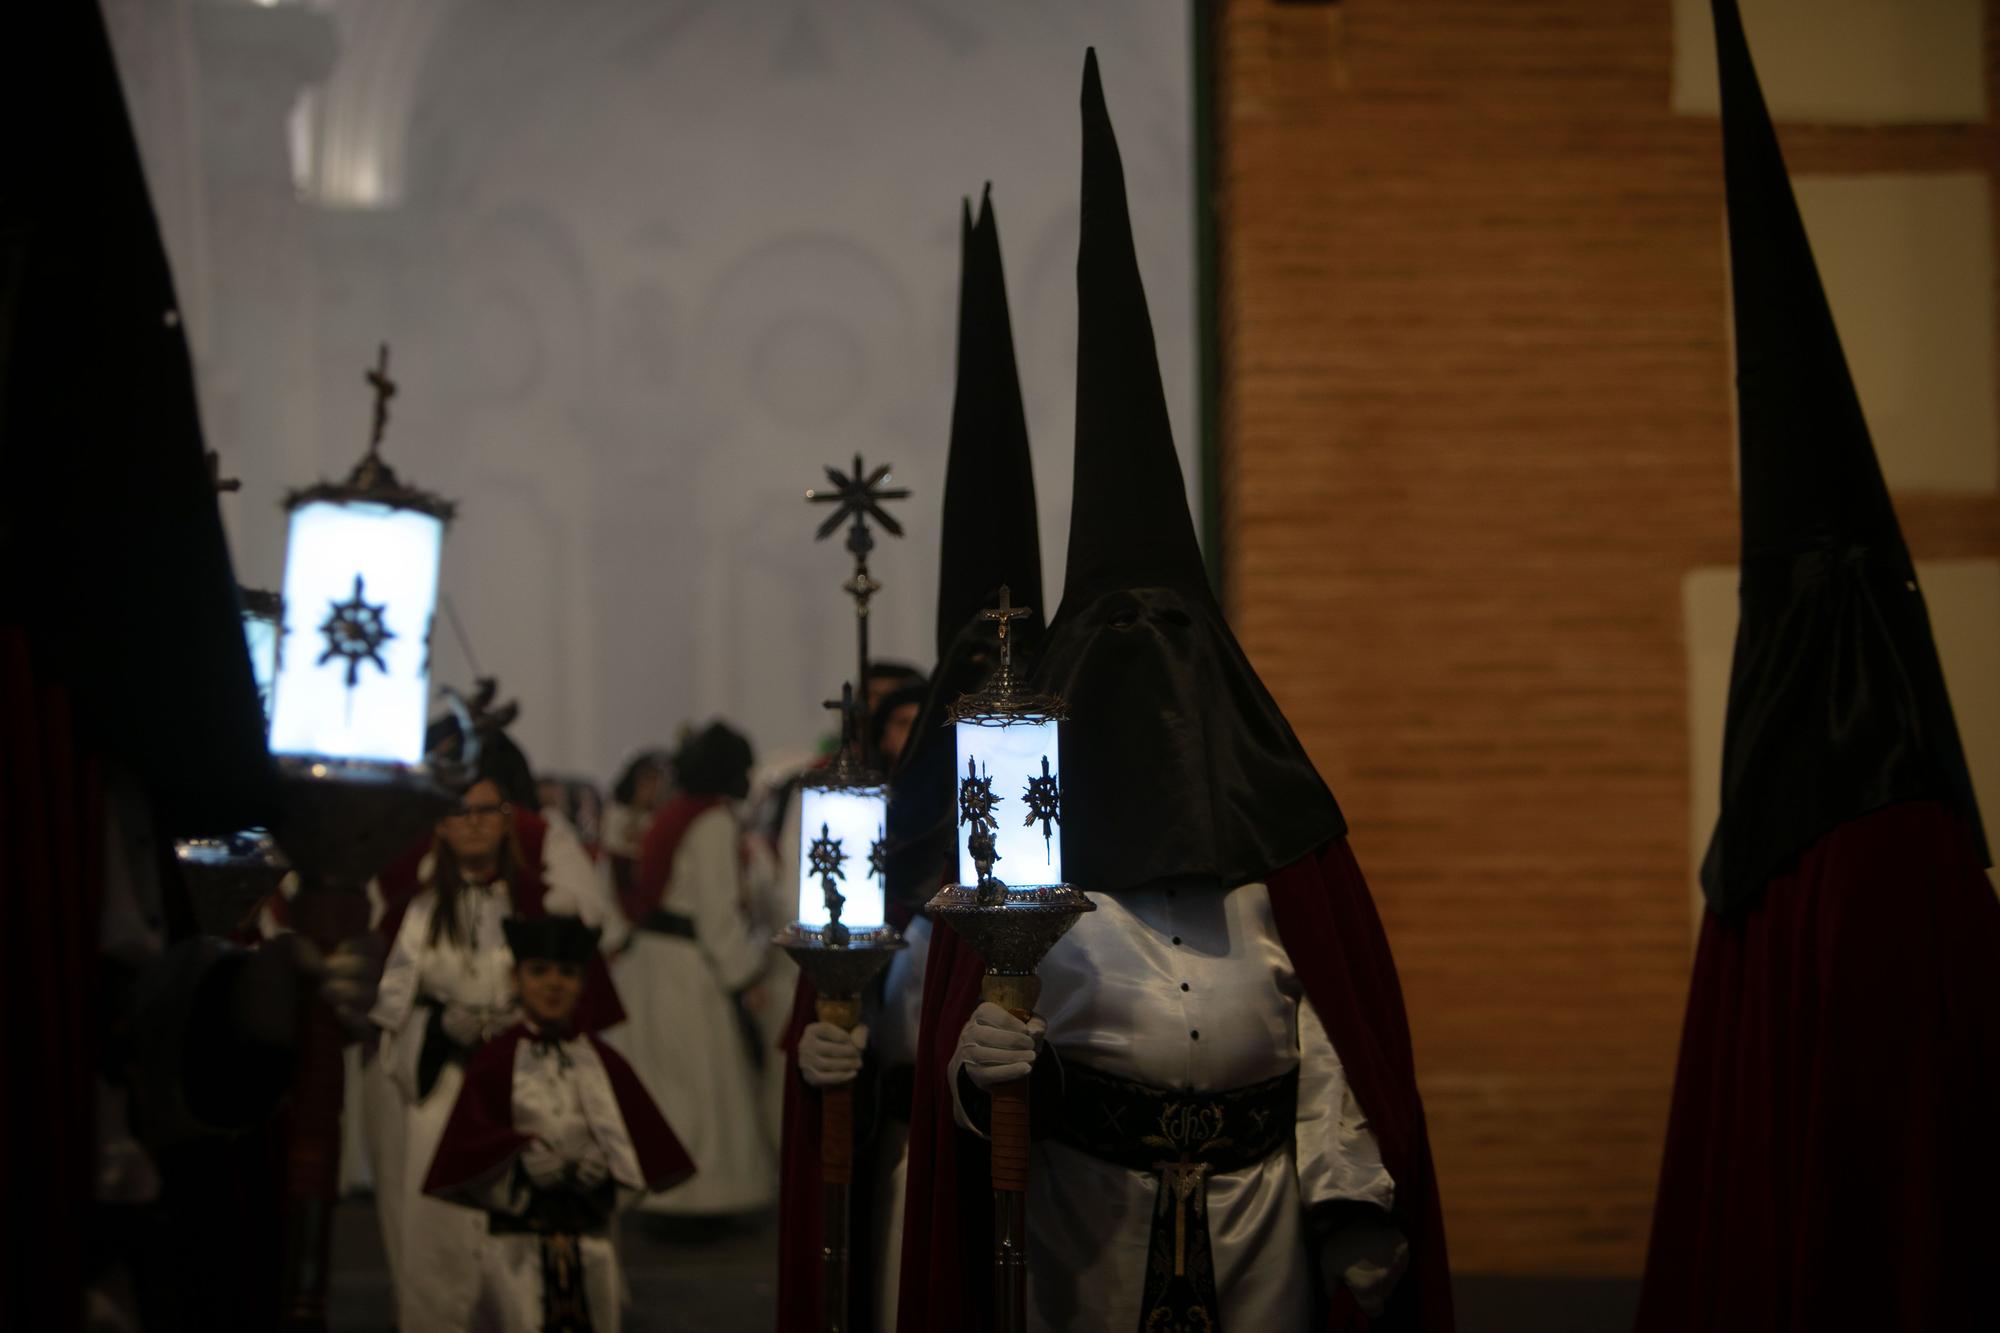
pixel 829 1055
pixel 995 1047
pixel 591 1171
pixel 493 1022
pixel 543 1164
pixel 463 1024
pixel 348 981
pixel 1369 1257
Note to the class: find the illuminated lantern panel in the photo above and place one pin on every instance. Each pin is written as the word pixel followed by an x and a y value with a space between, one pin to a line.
pixel 260 633
pixel 842 827
pixel 1010 772
pixel 360 590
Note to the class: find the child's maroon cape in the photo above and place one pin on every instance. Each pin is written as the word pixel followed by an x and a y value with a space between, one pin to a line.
pixel 480 1140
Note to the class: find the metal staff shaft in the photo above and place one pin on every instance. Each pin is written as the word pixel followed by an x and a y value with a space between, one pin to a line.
pixel 836 1174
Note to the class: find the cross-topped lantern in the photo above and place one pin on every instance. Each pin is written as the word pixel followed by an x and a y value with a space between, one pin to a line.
pixel 361 576
pixel 1008 742
pixel 843 810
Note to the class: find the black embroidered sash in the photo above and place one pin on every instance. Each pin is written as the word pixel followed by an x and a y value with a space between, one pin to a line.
pixel 662 922
pixel 1184 1137
pixel 561 1218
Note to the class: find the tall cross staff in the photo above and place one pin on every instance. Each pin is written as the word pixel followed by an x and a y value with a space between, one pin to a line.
pixel 859 496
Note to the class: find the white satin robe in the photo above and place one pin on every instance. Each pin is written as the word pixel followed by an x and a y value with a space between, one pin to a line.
pixel 576 1113
pixel 681 1032
pixel 438 1268
pixel 1188 988
pixel 893 1038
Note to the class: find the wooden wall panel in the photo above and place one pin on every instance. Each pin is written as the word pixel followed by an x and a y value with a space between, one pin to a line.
pixel 1475 427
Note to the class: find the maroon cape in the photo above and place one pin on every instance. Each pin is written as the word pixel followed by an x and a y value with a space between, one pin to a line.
pixel 1327 922
pixel 600 1007
pixel 800 1225
pixel 656 854
pixel 799 1211
pixel 480 1141
pixel 1833 1156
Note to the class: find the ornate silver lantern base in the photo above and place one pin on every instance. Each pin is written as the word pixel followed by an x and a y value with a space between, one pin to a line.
pixel 1012 930
pixel 228 877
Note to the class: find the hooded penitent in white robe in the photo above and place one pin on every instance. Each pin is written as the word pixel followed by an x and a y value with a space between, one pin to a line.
pixel 682 1033
pixel 1188 988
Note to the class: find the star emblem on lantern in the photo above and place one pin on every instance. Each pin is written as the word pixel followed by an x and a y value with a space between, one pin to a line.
pixel 878 855
pixel 975 798
pixel 1044 800
pixel 355 630
pixel 824 856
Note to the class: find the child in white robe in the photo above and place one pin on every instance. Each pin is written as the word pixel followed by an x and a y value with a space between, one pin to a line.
pixel 550 1133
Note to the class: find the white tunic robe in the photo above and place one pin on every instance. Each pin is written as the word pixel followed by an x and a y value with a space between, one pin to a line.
pixel 576 1113
pixel 893 1035
pixel 1188 988
pixel 682 1034
pixel 438 1269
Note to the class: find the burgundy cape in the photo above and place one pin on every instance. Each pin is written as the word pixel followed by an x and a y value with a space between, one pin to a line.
pixel 655 869
pixel 480 1141
pixel 799 1211
pixel 800 1225
pixel 398 883
pixel 1833 1156
pixel 1327 922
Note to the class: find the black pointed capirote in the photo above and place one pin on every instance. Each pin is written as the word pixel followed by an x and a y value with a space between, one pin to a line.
pixel 1177 763
pixel 1129 522
pixel 990 534
pixel 991 539
pixel 1837 703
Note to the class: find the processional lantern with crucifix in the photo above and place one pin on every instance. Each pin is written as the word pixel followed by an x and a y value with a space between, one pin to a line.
pixel 228 877
pixel 1010 903
pixel 347 731
pixel 841 939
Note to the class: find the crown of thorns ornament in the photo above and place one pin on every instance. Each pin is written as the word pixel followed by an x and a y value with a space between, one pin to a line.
pixel 1044 800
pixel 355 630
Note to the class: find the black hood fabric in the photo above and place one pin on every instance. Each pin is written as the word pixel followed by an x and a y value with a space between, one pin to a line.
pixel 1177 763
pixel 990 539
pixel 1837 705
pixel 108 521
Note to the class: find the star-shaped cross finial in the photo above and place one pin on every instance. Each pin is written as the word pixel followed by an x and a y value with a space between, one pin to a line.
pixel 859 496
pixel 385 389
pixel 1004 615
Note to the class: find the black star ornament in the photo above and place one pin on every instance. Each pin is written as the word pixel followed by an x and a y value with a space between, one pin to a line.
pixel 355 630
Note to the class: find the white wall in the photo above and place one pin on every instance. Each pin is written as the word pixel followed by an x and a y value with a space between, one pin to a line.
pixel 644 268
